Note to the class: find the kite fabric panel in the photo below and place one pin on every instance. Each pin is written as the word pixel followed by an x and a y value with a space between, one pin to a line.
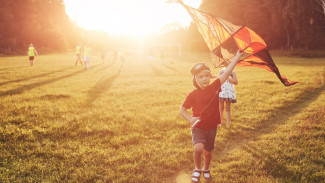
pixel 224 39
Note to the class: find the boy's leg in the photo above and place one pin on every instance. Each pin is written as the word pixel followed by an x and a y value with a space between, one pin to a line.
pixel 228 112
pixel 197 154
pixel 207 159
pixel 207 152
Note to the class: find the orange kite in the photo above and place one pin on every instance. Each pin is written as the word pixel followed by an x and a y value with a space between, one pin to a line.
pixel 224 39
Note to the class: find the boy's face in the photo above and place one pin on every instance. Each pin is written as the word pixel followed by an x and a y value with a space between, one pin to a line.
pixel 203 79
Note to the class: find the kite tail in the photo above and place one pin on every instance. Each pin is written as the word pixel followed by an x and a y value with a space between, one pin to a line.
pixel 262 59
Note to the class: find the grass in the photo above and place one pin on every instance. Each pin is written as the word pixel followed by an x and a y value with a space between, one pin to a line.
pixel 60 123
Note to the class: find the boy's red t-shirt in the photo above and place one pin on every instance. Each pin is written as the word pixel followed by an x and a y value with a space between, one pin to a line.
pixel 199 101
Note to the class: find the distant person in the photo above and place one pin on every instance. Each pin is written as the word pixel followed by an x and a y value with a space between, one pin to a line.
pixel 227 95
pixel 87 56
pixel 121 55
pixel 102 55
pixel 78 55
pixel 31 54
pixel 204 103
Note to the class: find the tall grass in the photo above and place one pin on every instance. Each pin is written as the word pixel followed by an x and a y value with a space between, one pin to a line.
pixel 60 123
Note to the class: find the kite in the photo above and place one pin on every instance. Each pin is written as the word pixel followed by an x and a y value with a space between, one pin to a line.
pixel 224 39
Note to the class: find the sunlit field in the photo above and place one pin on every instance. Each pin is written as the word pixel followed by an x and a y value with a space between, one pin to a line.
pixel 61 123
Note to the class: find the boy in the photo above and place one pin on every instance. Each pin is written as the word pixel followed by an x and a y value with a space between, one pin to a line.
pixel 31 54
pixel 204 102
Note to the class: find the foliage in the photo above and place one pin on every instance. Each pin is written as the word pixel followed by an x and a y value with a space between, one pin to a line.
pixel 283 24
pixel 41 22
pixel 60 123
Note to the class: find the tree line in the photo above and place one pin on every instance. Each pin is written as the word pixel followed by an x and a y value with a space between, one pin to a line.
pixel 43 23
pixel 283 24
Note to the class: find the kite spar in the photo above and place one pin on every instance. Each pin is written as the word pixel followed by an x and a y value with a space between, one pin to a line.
pixel 224 39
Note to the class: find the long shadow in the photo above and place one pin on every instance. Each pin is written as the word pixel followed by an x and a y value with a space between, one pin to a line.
pixel 170 67
pixel 34 85
pixel 9 68
pixel 156 71
pixel 32 77
pixel 100 87
pixel 105 67
pixel 275 167
pixel 278 116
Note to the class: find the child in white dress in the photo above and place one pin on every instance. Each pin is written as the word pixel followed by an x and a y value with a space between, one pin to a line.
pixel 227 95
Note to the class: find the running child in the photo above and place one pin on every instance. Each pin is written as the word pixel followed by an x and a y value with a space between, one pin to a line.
pixel 204 102
pixel 31 53
pixel 87 56
pixel 78 55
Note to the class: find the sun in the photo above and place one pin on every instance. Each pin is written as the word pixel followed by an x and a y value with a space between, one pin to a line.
pixel 129 17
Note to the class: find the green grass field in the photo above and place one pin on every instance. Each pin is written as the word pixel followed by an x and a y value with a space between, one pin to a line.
pixel 60 123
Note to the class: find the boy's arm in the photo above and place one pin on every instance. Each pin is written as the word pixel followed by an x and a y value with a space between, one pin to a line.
pixel 187 116
pixel 224 76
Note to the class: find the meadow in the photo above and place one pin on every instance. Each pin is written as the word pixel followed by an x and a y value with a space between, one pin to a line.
pixel 61 123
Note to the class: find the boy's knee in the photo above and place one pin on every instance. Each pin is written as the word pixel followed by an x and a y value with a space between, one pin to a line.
pixel 198 148
pixel 207 153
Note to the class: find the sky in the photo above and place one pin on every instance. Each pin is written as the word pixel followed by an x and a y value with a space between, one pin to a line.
pixel 129 17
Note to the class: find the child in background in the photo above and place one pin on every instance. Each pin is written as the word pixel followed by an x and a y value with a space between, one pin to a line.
pixel 31 54
pixel 227 95
pixel 121 55
pixel 204 102
pixel 87 56
pixel 78 55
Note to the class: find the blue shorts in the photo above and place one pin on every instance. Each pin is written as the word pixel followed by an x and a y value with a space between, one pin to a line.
pixel 207 137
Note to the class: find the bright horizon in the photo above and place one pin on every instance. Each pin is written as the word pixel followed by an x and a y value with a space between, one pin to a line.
pixel 129 17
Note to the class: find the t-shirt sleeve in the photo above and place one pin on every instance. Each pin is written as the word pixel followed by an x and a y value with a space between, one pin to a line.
pixel 188 103
pixel 217 85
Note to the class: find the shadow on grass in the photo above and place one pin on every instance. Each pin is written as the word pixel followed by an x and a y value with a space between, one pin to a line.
pixel 32 77
pixel 168 65
pixel 240 138
pixel 105 67
pixel 277 117
pixel 275 168
pixel 156 71
pixel 9 68
pixel 100 87
pixel 34 85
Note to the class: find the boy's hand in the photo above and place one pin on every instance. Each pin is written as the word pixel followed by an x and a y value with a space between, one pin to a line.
pixel 239 54
pixel 193 120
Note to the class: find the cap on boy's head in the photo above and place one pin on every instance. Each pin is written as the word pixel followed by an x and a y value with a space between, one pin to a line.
pixel 198 67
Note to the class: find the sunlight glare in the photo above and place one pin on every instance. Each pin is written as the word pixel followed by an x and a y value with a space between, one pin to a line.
pixel 135 18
